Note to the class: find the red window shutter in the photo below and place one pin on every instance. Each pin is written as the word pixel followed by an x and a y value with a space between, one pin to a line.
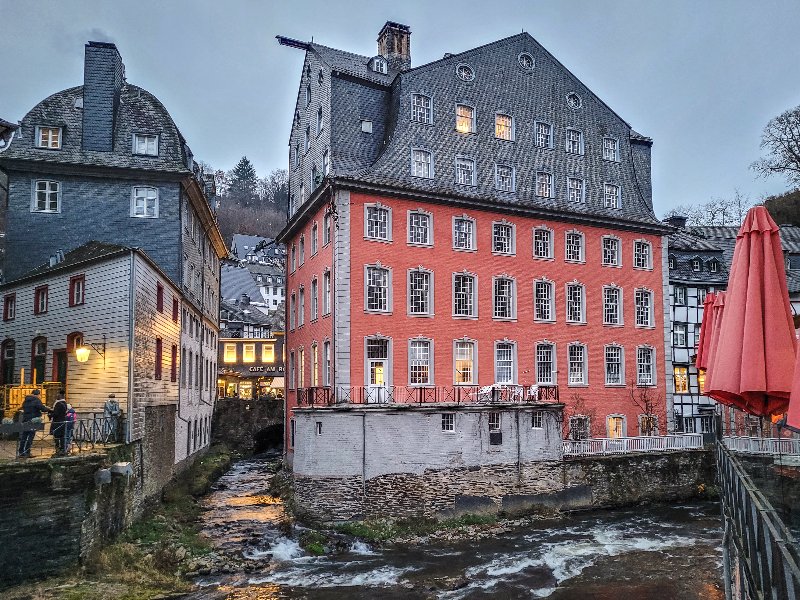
pixel 159 358
pixel 174 369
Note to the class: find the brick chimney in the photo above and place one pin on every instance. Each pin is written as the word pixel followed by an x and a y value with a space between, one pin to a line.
pixel 678 221
pixel 103 76
pixel 394 44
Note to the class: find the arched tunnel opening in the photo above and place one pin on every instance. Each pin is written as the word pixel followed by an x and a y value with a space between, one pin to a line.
pixel 269 438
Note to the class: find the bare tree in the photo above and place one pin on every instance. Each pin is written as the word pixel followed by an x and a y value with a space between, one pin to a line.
pixel 579 427
pixel 651 403
pixel 714 212
pixel 781 140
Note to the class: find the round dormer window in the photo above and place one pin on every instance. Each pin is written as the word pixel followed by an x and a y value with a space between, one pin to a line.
pixel 464 72
pixel 526 61
pixel 573 100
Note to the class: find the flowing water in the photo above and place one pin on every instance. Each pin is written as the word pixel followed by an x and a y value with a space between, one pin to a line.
pixel 662 553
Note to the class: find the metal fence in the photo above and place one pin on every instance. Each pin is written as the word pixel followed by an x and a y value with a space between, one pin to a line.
pixel 760 556
pixel 762 445
pixel 87 433
pixel 401 394
pixel 656 443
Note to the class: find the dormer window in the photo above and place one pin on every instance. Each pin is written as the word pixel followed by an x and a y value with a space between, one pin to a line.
pixel 713 266
pixel 145 144
pixel 379 65
pixel 696 265
pixel 48 137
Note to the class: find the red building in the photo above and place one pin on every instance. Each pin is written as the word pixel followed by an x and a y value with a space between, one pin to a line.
pixel 467 229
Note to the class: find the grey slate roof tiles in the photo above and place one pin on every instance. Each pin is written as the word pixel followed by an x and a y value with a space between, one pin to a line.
pixel 88 252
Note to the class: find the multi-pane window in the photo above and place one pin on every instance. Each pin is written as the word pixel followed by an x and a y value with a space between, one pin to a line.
pixel 679 334
pixel 645 366
pixel 307 138
pixel 47 197
pixel 314 299
pixel 326 365
pixel 319 120
pixel 378 289
pixel 544 135
pixel 463 295
pixel 544 184
pixel 575 189
pixel 77 288
pixel 681 375
pixel 612 306
pixel 611 254
pixel 465 362
pixel 544 364
pixel 465 171
pixel 421 109
pixel 49 137
pixel 326 292
pixel 542 243
pixel 504 363
pixel 574 141
pixel 465 118
pixel 610 195
pixel 610 148
pixel 419 362
pixel 229 355
pixel 326 162
pixel 574 246
pixel 314 365
pixel 463 233
pixel 696 265
pixel 145 202
pixel 494 422
pixel 644 308
pixel 537 419
pixel 543 300
pixel 419 292
pixel 378 223
pixel 713 266
pixel 671 262
pixel 503 238
pixel 9 307
pixel 575 303
pixel 314 233
pixel 292 311
pixel 40 299
pixel 249 353
pixel 326 229
pixel 421 163
pixel 504 304
pixel 301 368
pixel 579 427
pixel 302 251
pixel 419 228
pixel 448 422
pixel 301 307
pixel 268 353
pixel 680 294
pixel 145 144
pixel 576 357
pixel 614 374
pixel 503 127
pixel 504 178
pixel 642 255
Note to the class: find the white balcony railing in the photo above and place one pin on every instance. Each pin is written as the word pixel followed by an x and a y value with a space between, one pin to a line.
pixel 655 443
pixel 759 445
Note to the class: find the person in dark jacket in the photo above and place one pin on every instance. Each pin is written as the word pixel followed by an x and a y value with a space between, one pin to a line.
pixel 32 408
pixel 58 424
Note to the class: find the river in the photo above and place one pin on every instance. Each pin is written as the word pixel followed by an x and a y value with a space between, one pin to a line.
pixel 653 552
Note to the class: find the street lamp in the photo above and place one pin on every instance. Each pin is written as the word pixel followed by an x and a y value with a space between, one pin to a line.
pixel 82 350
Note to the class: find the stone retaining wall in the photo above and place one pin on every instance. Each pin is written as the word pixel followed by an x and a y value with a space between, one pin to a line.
pixel 241 423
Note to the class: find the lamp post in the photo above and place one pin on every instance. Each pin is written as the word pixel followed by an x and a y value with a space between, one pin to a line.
pixel 82 351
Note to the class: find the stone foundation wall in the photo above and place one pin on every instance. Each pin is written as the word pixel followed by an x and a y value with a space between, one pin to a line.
pixel 238 423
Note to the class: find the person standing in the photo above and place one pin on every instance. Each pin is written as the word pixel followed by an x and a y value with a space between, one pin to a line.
pixel 58 425
pixel 70 428
pixel 32 408
pixel 111 415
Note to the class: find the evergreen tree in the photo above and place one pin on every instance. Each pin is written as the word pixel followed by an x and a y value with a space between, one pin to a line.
pixel 243 184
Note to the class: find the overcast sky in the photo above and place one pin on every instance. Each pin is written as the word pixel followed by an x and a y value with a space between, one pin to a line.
pixel 701 78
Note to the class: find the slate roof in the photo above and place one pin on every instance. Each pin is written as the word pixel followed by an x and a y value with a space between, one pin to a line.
pixel 237 312
pixel 89 252
pixel 355 65
pixel 235 281
pixel 139 112
pixel 242 244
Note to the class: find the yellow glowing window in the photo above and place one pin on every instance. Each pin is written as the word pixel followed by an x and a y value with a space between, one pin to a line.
pixel 249 353
pixel 503 127
pixel 465 119
pixel 681 380
pixel 268 353
pixel 701 380
pixel 230 353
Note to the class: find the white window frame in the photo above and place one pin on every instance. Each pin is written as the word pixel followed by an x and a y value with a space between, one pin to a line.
pixel 326 292
pixel 431 381
pixel 473 314
pixel 458 161
pixel 314 299
pixel 511 127
pixel 513 299
pixel 615 156
pixel 544 283
pixel 389 299
pixel 697 265
pixel 378 206
pixel 513 348
pixel 551 235
pixel 648 266
pixel 420 212
pixel 537 419
pixel 617 417
pixel 513 241
pixel 474 368
pixel 389 373
pixel 621 382
pixel 326 362
pixel 581 246
pixel 567 141
pixel 473 246
pixel 379 65
pixel 582 318
pixel 549 126
pixel 513 189
pixel 584 381
pixel 430 306
pixel 618 252
pixel 301 306
pixel 553 380
pixel 582 198
pixel 418 153
pixel 449 422
pixel 314 238
pixel 417 110
pixel 713 266
pixel 620 304
pixel 679 294
pixel 326 229
pixel 48 191
pixel 49 145
pixel 133 202
pixel 146 139
pixel 472 119
pixel 544 184
pixel 652 351
pixel 607 187
pixel 644 293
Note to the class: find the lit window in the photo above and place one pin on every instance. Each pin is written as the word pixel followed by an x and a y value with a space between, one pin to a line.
pixel 681 380
pixel 48 137
pixel 47 197
pixel 421 109
pixel 144 202
pixel 642 255
pixel 544 184
pixel 644 366
pixel 610 149
pixel 230 353
pixel 377 289
pixel 419 292
pixel 610 195
pixel 463 233
pixel 503 238
pixel 268 353
pixel 611 254
pixel 504 298
pixel 77 288
pixel 701 381
pixel 544 135
pixel 504 127
pixel 543 300
pixel 465 171
pixel 612 306
pixel 378 223
pixel 504 178
pixel 465 362
pixel 542 243
pixel 419 362
pixel 463 295
pixel 419 228
pixel 145 144
pixel 575 189
pixel 644 308
pixel 575 303
pixel 574 141
pixel 614 374
pixel 249 353
pixel 545 374
pixel 504 363
pixel 576 355
pixel 465 118
pixel 574 246
pixel 421 164
pixel 448 422
pixel 315 371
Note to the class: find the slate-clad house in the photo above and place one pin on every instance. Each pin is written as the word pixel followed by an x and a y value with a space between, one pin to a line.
pixel 104 163
pixel 481 220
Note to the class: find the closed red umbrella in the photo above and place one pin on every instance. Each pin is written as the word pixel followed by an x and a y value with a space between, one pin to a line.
pixel 701 360
pixel 752 363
